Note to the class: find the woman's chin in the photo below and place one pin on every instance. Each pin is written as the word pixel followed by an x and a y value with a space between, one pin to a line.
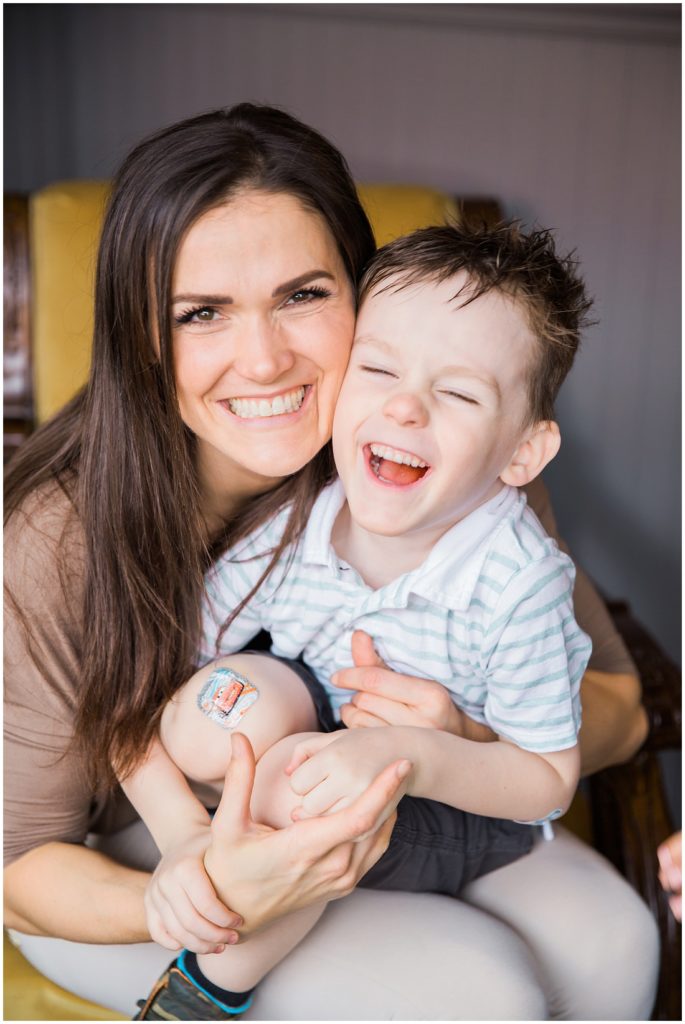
pixel 263 464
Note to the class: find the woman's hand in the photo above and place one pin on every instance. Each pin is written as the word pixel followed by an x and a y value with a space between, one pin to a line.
pixel 265 873
pixel 181 906
pixel 328 771
pixel 384 697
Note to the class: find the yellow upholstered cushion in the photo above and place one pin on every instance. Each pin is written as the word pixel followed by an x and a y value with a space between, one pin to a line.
pixel 65 227
pixel 29 996
pixel 65 222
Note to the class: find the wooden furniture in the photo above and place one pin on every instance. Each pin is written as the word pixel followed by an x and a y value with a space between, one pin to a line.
pixel 628 815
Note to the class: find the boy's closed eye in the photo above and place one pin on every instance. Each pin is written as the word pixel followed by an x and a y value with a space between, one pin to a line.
pixel 377 369
pixel 460 395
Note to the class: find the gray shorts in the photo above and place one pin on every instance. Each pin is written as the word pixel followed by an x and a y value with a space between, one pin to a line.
pixel 433 847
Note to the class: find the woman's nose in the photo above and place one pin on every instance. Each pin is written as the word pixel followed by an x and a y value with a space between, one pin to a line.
pixel 407 409
pixel 264 353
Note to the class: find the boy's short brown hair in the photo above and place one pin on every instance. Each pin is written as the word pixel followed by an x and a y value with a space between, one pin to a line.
pixel 522 265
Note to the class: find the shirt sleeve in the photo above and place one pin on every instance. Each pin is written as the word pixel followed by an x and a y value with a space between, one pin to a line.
pixel 609 653
pixel 46 798
pixel 534 656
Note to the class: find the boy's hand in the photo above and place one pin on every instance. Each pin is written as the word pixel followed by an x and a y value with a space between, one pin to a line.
pixel 384 697
pixel 329 771
pixel 181 906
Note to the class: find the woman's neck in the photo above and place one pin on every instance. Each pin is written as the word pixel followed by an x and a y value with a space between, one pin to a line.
pixel 225 487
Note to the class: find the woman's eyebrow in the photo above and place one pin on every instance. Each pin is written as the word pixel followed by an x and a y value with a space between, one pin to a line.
pixel 282 289
pixel 204 300
pixel 299 281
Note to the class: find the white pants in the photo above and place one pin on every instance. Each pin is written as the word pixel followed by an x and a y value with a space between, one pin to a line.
pixel 557 935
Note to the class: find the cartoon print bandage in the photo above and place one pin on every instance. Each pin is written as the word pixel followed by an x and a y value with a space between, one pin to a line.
pixel 226 697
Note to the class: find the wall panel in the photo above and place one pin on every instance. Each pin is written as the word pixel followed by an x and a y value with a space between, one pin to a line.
pixel 570 115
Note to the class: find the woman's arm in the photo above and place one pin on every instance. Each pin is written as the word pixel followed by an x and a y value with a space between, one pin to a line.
pixel 615 723
pixel 614 720
pixel 70 891
pixel 56 886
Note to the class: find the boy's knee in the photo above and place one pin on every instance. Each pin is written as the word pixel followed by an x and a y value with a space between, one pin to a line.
pixel 254 694
pixel 272 798
pixel 273 697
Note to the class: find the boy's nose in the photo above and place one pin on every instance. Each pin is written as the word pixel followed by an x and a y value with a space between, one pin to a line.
pixel 406 409
pixel 263 352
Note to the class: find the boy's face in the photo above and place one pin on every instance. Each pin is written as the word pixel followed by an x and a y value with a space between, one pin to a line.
pixel 434 384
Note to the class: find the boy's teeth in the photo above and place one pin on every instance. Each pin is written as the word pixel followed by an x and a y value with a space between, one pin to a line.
pixel 382 451
pixel 249 408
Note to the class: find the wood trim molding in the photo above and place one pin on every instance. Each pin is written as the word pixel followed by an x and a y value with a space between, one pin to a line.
pixel 16 362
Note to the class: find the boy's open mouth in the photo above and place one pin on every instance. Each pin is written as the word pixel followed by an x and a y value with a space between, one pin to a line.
pixel 394 466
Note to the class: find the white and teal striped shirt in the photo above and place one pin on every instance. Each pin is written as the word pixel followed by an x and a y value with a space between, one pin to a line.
pixel 489 614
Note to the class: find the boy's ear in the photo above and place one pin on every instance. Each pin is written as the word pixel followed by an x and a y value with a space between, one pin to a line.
pixel 539 447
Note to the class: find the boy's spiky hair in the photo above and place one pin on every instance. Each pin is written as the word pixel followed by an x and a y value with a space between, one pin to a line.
pixel 523 265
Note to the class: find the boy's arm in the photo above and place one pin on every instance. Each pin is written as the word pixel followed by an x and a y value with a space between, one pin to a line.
pixel 496 779
pixel 162 797
pixel 531 657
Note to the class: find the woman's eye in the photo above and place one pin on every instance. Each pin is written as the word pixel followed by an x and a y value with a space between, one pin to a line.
pixel 197 315
pixel 304 295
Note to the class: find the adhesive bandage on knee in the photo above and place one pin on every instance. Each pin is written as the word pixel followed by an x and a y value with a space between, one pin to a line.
pixel 226 697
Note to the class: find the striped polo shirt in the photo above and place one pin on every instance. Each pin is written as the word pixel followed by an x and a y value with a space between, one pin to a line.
pixel 489 614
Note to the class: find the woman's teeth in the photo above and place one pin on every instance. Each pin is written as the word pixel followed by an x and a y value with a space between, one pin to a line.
pixel 250 408
pixel 381 451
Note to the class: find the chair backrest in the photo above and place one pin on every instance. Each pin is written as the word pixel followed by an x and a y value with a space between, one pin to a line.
pixel 65 220
pixel 64 224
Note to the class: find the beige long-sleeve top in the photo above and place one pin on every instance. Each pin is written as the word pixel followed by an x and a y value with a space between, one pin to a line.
pixel 46 795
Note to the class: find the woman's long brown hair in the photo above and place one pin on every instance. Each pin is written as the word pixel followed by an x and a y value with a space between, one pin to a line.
pixel 120 449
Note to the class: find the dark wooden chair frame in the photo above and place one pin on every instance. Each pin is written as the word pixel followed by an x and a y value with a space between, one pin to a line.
pixel 629 809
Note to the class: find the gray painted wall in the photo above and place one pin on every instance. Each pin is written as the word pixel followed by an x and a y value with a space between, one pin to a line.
pixel 570 115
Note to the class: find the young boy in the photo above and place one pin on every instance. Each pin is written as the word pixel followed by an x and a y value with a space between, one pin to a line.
pixel 425 543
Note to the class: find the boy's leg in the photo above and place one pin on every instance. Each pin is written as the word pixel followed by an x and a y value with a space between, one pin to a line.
pixel 240 968
pixel 434 848
pixel 206 984
pixel 260 696
pixel 440 849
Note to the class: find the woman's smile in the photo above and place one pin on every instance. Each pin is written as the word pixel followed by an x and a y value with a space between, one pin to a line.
pixel 263 406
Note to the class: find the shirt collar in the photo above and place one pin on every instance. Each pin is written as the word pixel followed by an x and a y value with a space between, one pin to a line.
pixel 316 544
pixel 450 572
pixel 448 575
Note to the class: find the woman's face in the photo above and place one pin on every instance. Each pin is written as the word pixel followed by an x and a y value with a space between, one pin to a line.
pixel 263 318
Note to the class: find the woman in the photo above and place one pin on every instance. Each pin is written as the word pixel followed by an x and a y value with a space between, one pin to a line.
pixel 116 508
